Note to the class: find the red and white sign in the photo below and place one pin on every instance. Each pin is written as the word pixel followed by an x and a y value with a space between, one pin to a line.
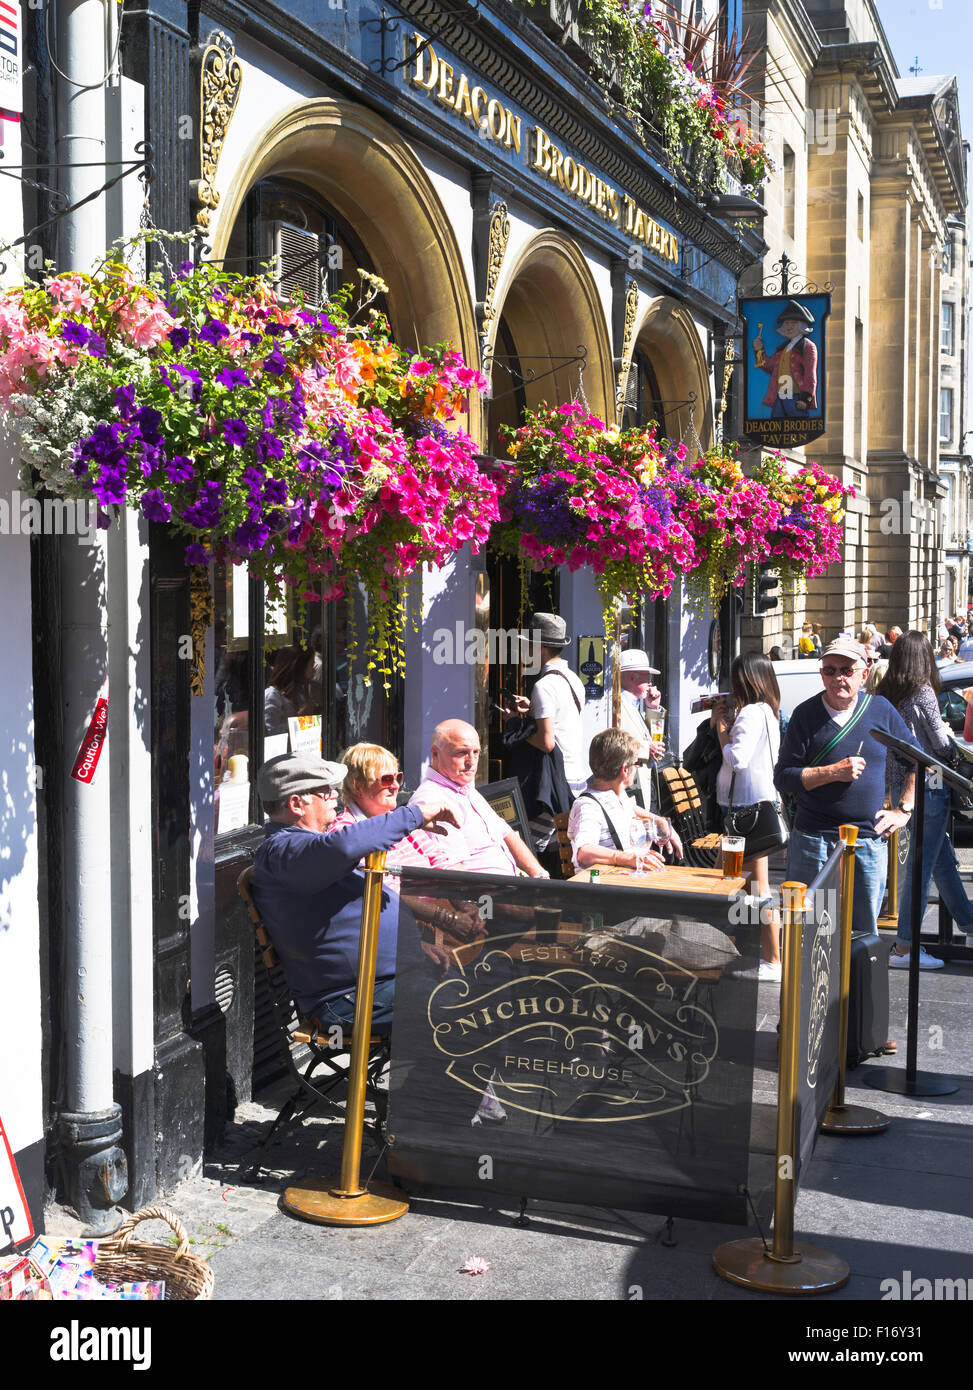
pixel 11 65
pixel 94 740
pixel 15 1222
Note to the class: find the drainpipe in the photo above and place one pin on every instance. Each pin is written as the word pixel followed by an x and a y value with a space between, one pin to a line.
pixel 89 1121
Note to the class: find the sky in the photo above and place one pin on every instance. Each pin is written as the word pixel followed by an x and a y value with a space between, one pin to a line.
pixel 937 33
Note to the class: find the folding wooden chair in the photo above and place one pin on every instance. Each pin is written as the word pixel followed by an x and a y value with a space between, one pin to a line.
pixel 566 864
pixel 700 849
pixel 308 1049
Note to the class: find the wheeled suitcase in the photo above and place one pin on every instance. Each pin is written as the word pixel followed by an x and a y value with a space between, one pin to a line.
pixel 868 997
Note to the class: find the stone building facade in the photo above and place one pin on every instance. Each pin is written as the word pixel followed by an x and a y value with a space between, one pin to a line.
pixel 955 463
pixel 869 172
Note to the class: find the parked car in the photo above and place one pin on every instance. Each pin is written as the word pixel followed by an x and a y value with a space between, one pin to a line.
pixel 957 676
pixel 798 681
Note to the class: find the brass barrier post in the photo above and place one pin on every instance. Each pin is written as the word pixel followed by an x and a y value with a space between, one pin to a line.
pixel 890 920
pixel 786 1267
pixel 345 1201
pixel 842 1118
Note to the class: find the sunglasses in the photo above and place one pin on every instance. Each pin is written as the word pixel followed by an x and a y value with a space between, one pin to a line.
pixel 326 792
pixel 389 780
pixel 838 670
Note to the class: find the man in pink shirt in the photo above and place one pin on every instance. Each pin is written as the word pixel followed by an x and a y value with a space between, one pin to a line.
pixel 483 842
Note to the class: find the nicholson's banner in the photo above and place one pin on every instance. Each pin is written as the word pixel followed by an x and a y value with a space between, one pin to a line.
pixel 576 1042
pixel 784 358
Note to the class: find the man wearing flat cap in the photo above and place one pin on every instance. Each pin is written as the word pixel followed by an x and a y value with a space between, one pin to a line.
pixel 836 773
pixel 308 887
pixel 793 368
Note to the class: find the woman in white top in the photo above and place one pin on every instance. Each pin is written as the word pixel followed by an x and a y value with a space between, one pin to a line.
pixel 606 826
pixel 750 743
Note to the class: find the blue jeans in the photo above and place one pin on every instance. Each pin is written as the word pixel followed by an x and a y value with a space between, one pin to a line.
pixel 808 854
pixel 342 1009
pixel 938 862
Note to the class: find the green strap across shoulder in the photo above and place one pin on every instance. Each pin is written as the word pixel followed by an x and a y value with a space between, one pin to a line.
pixel 843 732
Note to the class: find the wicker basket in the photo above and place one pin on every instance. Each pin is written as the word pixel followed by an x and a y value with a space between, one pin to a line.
pixel 123 1260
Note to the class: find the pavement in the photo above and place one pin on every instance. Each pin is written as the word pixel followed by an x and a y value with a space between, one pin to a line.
pixel 894 1206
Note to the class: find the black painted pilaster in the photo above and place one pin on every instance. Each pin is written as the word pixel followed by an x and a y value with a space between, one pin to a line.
pixel 179 1060
pixel 156 39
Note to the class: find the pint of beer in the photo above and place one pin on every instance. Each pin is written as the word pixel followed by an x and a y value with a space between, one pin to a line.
pixel 733 846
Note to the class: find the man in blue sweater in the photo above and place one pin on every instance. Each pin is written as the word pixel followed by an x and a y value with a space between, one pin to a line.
pixel 835 771
pixel 308 888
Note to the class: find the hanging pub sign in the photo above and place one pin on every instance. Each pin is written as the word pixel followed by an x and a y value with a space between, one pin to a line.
pixel 784 359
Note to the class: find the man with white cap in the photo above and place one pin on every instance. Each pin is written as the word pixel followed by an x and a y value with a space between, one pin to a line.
pixel 637 687
pixel 308 887
pixel 836 773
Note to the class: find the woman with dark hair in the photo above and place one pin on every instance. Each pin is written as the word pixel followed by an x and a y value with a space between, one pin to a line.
pixel 911 685
pixel 286 690
pixel 751 741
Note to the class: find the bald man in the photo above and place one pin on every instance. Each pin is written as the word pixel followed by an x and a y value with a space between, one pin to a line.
pixel 483 842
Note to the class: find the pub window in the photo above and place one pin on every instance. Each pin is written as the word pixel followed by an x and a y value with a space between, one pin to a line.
pixel 282 667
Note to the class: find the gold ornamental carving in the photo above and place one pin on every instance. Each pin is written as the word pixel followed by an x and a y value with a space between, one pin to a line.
pixel 219 91
pixel 628 340
pixel 496 250
pixel 200 619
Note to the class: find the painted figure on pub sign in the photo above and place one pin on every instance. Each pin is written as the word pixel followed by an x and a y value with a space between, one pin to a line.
pixel 784 389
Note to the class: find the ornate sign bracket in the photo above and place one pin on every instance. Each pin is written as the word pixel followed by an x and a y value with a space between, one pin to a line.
pixel 220 79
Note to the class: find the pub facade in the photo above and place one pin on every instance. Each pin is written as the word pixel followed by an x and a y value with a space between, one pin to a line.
pixel 466 159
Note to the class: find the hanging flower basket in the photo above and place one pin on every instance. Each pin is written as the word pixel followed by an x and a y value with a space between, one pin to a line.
pixel 261 429
pixel 580 492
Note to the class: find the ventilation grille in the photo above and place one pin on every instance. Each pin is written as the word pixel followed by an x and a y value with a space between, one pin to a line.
pixel 225 990
pixel 298 256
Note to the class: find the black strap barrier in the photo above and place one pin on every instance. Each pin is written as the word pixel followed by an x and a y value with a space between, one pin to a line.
pixel 820 1005
pixel 584 1043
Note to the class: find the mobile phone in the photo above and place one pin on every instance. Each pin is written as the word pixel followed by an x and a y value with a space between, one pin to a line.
pixel 706 702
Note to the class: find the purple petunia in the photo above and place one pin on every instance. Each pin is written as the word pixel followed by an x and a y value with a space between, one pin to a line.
pixel 179 337
pixel 275 364
pixel 212 331
pixel 180 469
pixel 252 338
pixel 124 401
pixel 196 554
pixel 235 432
pixel 232 377
pixel 149 421
pixel 74 332
pixel 96 345
pixel 269 447
pixel 205 511
pixel 154 506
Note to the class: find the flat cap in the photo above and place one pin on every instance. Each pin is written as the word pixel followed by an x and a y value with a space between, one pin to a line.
pixel 291 773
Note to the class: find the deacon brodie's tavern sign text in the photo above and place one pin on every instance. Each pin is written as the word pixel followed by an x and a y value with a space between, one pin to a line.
pixel 452 88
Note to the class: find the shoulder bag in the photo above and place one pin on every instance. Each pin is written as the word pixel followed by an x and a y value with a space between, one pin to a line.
pixel 761 824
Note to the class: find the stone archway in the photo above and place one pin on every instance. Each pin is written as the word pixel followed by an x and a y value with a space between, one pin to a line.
pixel 669 339
pixel 549 306
pixel 359 165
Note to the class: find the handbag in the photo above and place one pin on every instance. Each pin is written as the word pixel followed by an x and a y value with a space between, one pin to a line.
pixel 761 824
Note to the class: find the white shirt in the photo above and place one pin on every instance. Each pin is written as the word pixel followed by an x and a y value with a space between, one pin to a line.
pixel 551 699
pixel 751 752
pixel 587 825
pixel 840 716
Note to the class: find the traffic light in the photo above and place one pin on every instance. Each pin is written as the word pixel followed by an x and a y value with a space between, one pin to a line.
pixel 766 589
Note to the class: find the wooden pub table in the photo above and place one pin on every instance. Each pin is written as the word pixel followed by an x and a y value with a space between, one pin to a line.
pixel 675 878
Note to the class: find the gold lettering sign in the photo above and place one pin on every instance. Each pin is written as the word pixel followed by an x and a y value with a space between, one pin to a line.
pixel 487 115
pixel 451 88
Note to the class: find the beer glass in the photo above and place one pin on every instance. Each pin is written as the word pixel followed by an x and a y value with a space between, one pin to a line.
pixel 733 855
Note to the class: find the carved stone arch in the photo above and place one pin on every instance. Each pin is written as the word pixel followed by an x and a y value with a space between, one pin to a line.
pixel 669 338
pixel 550 301
pixel 365 171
